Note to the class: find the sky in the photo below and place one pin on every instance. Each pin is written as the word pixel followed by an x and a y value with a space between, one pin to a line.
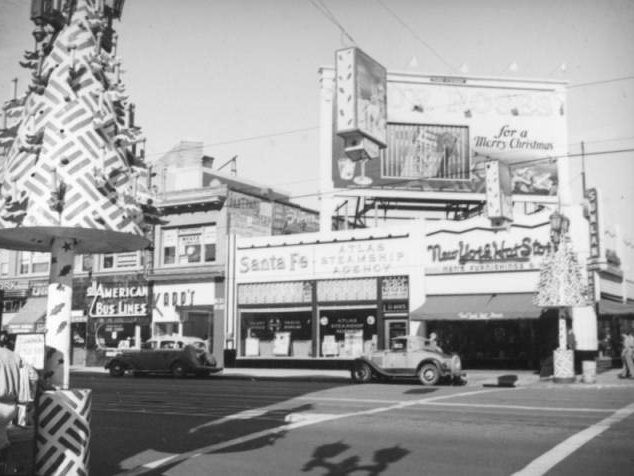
pixel 241 76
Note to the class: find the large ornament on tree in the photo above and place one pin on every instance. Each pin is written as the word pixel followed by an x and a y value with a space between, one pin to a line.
pixel 560 278
pixel 72 166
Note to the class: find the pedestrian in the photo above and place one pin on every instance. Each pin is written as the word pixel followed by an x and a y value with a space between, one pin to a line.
pixel 627 355
pixel 433 342
pixel 10 373
pixel 5 340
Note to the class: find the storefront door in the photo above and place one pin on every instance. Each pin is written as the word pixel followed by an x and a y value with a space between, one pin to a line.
pixel 394 328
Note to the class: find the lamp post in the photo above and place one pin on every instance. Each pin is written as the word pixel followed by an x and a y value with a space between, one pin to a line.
pixel 560 288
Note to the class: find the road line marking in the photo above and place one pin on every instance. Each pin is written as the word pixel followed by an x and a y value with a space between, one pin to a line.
pixel 299 423
pixel 548 460
pixel 520 407
pixel 344 399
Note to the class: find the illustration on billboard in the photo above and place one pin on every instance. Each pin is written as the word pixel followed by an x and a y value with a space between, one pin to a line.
pixel 439 136
pixel 361 95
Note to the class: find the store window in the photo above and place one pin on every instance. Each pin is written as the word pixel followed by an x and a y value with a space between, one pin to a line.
pixel 111 335
pixel 32 262
pixel 347 333
pixel 282 333
pixel 189 245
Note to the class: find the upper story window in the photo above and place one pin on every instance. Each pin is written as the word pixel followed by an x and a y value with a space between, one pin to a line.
pixel 4 263
pixel 121 260
pixel 189 245
pixel 32 262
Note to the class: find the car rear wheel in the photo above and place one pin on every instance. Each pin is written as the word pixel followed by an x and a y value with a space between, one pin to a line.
pixel 429 374
pixel 178 369
pixel 361 372
pixel 117 369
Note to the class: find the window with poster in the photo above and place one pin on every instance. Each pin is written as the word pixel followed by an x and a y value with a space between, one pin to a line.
pixel 189 245
pixel 112 335
pixel 347 333
pixel 280 333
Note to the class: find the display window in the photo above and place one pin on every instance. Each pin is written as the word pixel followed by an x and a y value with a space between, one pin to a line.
pixel 283 333
pixel 347 333
pixel 501 343
pixel 119 336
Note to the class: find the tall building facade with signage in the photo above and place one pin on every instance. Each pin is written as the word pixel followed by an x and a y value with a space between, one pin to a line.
pixel 485 162
pixel 122 299
pixel 322 296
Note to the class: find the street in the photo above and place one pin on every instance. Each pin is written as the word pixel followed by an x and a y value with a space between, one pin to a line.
pixel 256 426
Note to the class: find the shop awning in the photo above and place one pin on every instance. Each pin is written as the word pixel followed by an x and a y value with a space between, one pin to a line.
pixel 615 308
pixel 26 318
pixel 470 307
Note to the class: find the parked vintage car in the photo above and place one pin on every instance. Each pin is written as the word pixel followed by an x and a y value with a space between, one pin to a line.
pixel 409 357
pixel 177 355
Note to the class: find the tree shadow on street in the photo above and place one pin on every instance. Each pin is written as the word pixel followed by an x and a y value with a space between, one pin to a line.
pixel 132 425
pixel 330 457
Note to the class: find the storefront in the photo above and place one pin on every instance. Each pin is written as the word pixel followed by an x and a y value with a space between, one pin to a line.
pixel 481 282
pixel 185 308
pixel 111 313
pixel 15 295
pixel 323 296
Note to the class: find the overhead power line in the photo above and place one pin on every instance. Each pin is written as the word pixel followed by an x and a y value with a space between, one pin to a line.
pixel 324 10
pixel 415 35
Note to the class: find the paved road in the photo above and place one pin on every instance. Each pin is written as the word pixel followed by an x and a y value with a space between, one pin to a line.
pixel 274 427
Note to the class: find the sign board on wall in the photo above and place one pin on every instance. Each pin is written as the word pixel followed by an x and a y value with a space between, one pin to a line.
pixel 167 297
pixel 480 248
pixel 115 297
pixel 346 259
pixel 248 215
pixel 441 131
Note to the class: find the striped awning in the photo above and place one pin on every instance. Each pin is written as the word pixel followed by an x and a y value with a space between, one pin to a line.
pixel 27 318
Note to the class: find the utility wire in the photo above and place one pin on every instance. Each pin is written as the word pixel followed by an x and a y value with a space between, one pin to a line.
pixel 324 10
pixel 420 40
pixel 600 81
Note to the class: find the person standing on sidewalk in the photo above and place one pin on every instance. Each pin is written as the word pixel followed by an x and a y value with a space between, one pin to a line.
pixel 627 355
pixel 16 381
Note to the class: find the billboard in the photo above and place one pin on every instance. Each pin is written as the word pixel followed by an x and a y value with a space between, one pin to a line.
pixel 441 131
pixel 361 95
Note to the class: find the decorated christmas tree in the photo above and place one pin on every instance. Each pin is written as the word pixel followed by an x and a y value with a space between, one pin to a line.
pixel 72 152
pixel 561 282
pixel 72 180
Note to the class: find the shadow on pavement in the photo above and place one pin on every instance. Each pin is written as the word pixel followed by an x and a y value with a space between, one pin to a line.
pixel 503 381
pixel 138 421
pixel 329 457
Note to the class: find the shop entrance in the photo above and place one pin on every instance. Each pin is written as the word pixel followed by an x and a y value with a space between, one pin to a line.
pixel 394 328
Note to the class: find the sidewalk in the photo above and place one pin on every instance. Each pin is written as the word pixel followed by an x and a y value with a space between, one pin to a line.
pixel 475 378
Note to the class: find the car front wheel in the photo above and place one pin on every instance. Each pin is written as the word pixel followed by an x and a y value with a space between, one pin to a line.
pixel 361 372
pixel 117 369
pixel 178 369
pixel 429 374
